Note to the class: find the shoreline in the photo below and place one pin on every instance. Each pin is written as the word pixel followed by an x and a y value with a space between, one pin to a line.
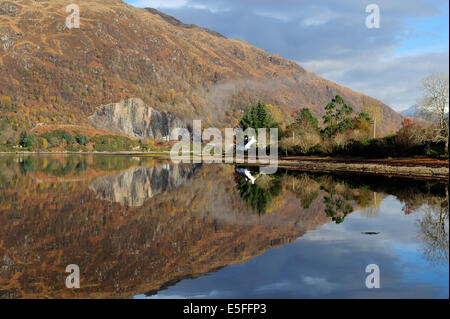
pixel 441 173
pixel 398 167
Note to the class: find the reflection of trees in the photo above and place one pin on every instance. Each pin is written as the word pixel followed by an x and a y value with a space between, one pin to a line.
pixel 434 228
pixel 372 209
pixel 418 193
pixel 63 168
pixel 259 195
pixel 337 207
pixel 339 196
pixel 343 193
pixel 27 165
pixel 304 187
pixel 63 165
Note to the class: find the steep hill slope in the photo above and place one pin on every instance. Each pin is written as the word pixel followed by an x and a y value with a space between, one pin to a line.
pixel 51 74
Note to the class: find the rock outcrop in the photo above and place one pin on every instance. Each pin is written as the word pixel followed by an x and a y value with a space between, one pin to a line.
pixel 134 118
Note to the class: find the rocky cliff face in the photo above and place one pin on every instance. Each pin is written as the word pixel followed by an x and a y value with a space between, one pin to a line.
pixel 136 119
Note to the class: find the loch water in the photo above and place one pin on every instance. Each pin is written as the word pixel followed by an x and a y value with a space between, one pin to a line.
pixel 143 227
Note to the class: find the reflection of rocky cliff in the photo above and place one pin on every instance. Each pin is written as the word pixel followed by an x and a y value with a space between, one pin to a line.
pixel 122 251
pixel 137 185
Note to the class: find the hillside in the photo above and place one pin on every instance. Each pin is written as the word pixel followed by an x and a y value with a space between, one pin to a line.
pixel 50 74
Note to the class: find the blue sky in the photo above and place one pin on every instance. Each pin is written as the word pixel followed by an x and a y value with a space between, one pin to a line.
pixel 329 37
pixel 429 34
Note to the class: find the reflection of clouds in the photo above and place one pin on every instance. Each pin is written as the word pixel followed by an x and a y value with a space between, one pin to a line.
pixel 320 285
pixel 393 225
pixel 330 262
pixel 274 287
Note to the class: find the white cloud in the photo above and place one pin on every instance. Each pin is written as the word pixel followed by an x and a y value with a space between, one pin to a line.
pixel 319 284
pixel 394 80
pixel 330 38
pixel 323 16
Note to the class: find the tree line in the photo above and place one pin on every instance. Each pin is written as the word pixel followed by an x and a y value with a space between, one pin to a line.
pixel 342 132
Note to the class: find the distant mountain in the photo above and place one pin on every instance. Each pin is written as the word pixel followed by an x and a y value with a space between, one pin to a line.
pixel 411 112
pixel 181 72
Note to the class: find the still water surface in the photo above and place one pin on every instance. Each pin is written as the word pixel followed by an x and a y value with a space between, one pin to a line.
pixel 146 228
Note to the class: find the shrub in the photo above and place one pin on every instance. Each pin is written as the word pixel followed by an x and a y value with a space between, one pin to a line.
pixel 389 146
pixel 6 103
pixel 59 138
pixel 82 139
pixel 259 116
pixel 68 137
pixel 27 140
pixel 113 143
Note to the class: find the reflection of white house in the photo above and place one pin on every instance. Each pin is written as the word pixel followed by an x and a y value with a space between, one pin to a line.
pixel 247 145
pixel 246 173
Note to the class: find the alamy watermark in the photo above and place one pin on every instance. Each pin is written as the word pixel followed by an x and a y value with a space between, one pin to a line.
pixel 73 20
pixel 373 19
pixel 233 149
pixel 373 280
pixel 73 280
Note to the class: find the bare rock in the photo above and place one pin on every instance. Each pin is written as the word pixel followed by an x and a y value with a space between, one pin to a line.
pixel 134 118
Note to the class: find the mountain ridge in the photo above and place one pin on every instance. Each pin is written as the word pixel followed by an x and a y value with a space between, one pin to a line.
pixel 56 75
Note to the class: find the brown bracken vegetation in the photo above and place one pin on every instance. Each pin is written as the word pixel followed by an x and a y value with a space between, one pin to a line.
pixel 50 74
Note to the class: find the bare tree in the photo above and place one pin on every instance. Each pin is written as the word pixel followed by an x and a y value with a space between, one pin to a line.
pixel 434 232
pixel 433 104
pixel 376 115
pixel 373 207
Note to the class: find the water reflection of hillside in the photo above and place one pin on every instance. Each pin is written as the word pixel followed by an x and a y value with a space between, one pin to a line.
pixel 136 185
pixel 199 222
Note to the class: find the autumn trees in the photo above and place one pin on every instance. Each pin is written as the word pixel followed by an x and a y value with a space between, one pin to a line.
pixel 6 103
pixel 434 103
pixel 339 125
pixel 27 140
pixel 258 116
pixel 344 133
pixel 302 135
pixel 337 116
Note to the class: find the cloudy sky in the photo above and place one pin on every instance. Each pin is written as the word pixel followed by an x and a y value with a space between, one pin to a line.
pixel 330 38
